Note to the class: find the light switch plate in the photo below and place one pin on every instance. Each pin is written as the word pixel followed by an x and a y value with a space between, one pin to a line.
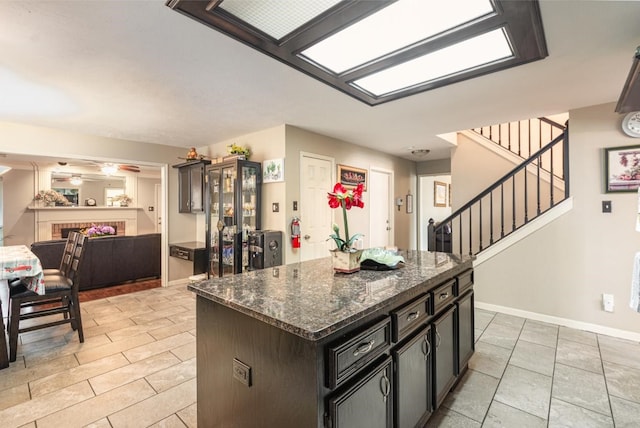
pixel 275 207
pixel 606 206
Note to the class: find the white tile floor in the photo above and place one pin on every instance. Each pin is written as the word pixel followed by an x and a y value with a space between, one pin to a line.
pixel 137 369
pixel 531 374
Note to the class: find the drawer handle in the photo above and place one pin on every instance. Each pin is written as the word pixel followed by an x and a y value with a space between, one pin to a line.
pixel 444 295
pixel 413 315
pixel 385 387
pixel 426 347
pixel 364 348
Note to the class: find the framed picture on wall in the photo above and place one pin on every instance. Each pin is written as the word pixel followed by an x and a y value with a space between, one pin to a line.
pixel 350 176
pixel 622 169
pixel 273 171
pixel 439 194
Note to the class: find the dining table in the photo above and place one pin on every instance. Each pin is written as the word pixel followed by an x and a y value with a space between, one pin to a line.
pixel 18 262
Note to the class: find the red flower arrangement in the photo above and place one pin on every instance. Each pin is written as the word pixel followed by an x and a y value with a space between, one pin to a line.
pixel 346 199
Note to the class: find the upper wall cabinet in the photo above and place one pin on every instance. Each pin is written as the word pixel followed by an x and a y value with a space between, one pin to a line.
pixel 191 186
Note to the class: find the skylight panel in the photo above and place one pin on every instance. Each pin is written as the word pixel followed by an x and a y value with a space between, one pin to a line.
pixel 469 54
pixel 276 18
pixel 397 26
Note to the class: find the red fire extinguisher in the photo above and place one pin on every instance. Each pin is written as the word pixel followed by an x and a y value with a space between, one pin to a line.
pixel 295 232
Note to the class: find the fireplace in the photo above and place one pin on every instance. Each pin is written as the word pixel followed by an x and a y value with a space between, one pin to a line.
pixel 61 230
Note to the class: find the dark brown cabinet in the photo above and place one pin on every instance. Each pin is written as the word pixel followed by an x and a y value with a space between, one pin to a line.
pixel 445 367
pixel 368 403
pixel 412 362
pixel 232 212
pixel 191 186
pixel 466 330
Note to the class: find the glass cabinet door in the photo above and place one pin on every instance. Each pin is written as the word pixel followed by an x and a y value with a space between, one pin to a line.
pixel 249 208
pixel 230 229
pixel 214 218
pixel 233 211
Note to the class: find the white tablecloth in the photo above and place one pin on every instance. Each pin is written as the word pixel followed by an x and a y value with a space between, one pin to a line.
pixel 17 261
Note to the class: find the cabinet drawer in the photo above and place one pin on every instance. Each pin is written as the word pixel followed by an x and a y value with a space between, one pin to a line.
pixel 405 319
pixel 465 282
pixel 443 295
pixel 348 356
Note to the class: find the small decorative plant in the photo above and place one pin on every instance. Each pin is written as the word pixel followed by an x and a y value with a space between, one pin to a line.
pixel 123 199
pixel 101 230
pixel 345 199
pixel 234 149
pixel 51 197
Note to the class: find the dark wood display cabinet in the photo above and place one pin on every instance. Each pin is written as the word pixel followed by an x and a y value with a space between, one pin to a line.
pixel 399 343
pixel 232 211
pixel 191 188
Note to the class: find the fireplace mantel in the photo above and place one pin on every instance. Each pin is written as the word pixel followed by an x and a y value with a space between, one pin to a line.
pixel 47 217
pixel 79 208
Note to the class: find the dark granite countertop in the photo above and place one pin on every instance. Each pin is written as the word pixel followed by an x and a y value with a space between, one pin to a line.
pixel 310 300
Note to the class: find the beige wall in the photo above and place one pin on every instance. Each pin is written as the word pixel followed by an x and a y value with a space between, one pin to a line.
pixel 287 142
pixel 404 174
pixel 563 269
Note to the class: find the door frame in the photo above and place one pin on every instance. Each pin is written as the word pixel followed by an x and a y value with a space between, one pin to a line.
pixel 392 221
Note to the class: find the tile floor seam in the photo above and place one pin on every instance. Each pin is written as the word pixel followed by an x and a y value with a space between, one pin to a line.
pixel 493 398
pixel 553 376
pixel 584 408
pixel 606 384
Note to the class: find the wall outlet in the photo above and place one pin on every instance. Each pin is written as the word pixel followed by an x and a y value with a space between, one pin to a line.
pixel 607 302
pixel 241 372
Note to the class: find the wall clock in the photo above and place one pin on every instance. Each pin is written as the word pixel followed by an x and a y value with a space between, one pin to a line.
pixel 91 202
pixel 631 124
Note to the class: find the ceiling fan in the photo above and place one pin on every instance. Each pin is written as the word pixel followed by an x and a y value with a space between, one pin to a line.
pixel 108 168
pixel 112 168
pixel 74 179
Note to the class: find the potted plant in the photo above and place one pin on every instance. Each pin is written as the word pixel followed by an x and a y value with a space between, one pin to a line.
pixel 51 198
pixel 123 200
pixel 346 258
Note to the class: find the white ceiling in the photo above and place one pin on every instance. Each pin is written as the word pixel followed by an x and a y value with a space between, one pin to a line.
pixel 137 70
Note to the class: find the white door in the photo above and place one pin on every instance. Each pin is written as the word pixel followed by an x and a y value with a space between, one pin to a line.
pixel 381 234
pixel 316 179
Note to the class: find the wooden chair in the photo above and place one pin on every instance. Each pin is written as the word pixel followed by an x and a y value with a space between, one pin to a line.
pixel 61 297
pixel 65 263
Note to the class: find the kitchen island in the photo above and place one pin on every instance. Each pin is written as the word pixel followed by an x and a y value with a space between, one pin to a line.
pixel 299 346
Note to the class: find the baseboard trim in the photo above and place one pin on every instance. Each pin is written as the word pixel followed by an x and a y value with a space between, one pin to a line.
pixel 579 325
pixel 181 281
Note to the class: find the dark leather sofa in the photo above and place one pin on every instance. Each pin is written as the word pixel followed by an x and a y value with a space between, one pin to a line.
pixel 108 260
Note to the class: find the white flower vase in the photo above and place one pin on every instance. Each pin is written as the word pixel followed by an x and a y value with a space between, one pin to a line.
pixel 346 261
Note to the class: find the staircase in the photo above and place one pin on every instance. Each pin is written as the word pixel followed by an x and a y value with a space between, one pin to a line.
pixel 535 186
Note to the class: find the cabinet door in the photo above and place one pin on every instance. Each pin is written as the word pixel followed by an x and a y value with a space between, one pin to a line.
pixel 445 367
pixel 466 332
pixel 413 402
pixel 184 190
pixel 196 188
pixel 214 222
pixel 368 403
